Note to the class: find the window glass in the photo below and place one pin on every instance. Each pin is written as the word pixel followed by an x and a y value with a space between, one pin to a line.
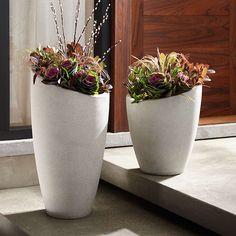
pixel 31 22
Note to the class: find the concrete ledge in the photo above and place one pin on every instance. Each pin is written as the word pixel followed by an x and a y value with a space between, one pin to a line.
pixel 18 171
pixel 25 146
pixel 122 139
pixel 16 147
pixel 216 131
pixel 204 194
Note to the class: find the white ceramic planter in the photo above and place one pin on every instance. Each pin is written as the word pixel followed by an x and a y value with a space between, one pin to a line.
pixel 163 131
pixel 69 132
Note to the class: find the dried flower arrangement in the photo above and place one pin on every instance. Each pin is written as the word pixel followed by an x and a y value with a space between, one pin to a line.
pixel 72 65
pixel 164 76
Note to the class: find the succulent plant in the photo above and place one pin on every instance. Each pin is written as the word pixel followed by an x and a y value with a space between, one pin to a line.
pixel 71 65
pixel 77 72
pixel 164 75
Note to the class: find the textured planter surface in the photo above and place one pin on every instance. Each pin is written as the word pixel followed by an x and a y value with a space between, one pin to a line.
pixel 69 132
pixel 163 131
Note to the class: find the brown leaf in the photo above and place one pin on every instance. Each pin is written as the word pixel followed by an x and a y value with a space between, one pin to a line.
pixel 48 49
pixel 73 49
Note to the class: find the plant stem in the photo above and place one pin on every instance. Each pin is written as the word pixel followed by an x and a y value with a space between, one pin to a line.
pixel 76 19
pixel 96 31
pixel 88 20
pixel 109 49
pixel 62 22
pixel 57 26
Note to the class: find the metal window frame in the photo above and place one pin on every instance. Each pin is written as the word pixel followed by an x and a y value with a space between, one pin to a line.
pixel 7 132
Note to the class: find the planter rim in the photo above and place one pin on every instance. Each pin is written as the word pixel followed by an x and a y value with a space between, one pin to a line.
pixel 65 90
pixel 162 99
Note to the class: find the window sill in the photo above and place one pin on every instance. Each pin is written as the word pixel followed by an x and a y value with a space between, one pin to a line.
pixel 25 146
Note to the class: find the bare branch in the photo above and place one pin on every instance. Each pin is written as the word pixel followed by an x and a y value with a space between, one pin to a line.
pixel 109 49
pixel 76 19
pixel 87 45
pixel 62 22
pixel 96 31
pixel 105 18
pixel 88 20
pixel 57 26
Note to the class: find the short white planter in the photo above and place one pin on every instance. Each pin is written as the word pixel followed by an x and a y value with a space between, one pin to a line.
pixel 69 132
pixel 163 131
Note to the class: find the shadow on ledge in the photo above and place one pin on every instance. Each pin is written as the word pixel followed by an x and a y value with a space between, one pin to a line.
pixel 115 212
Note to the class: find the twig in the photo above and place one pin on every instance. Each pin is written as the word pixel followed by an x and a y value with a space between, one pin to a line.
pixel 91 37
pixel 101 24
pixel 76 19
pixel 88 20
pixel 62 22
pixel 96 30
pixel 95 33
pixel 109 49
pixel 57 27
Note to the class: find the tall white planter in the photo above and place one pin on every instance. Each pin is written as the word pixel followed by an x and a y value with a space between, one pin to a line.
pixel 69 132
pixel 163 131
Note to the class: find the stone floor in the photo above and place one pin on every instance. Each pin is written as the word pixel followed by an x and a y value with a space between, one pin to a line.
pixel 205 193
pixel 116 213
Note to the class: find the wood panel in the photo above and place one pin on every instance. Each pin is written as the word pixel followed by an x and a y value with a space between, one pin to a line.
pixel 121 59
pixel 186 7
pixel 217 120
pixel 137 28
pixel 233 56
pixel 178 32
pixel 204 29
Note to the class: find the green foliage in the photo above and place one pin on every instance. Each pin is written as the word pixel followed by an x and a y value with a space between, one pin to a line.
pixel 164 76
pixel 74 70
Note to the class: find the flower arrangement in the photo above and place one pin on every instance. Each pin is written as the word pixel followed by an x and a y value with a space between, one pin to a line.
pixel 72 65
pixel 164 76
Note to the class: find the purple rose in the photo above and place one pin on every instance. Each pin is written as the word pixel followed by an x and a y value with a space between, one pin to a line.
pixel 182 77
pixel 52 73
pixel 67 64
pixel 80 74
pixel 155 79
pixel 89 81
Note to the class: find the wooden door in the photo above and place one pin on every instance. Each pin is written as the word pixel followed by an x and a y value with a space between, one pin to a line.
pixel 206 30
